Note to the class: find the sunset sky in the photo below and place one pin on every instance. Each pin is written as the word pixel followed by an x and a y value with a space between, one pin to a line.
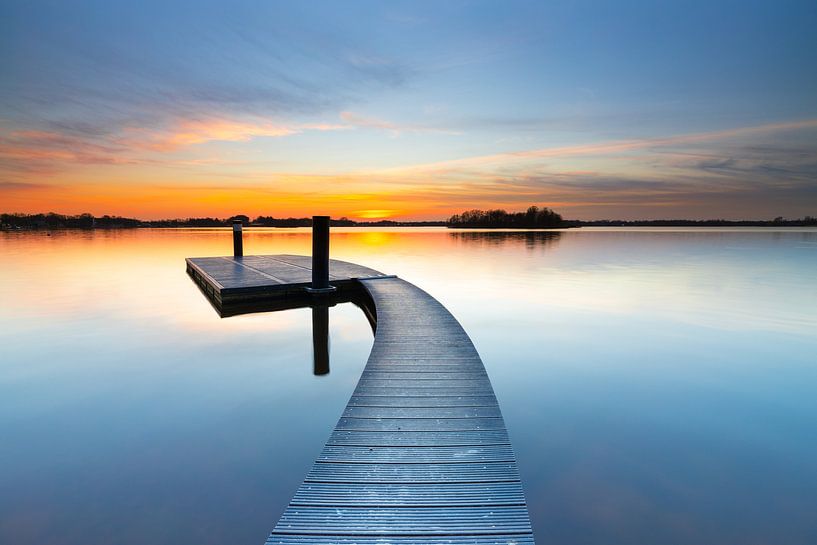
pixel 411 110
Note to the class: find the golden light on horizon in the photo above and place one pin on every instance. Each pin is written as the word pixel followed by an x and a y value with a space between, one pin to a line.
pixel 376 214
pixel 186 171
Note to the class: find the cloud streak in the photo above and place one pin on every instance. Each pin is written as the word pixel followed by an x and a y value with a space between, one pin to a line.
pixel 737 167
pixel 354 120
pixel 611 147
pixel 186 133
pixel 55 150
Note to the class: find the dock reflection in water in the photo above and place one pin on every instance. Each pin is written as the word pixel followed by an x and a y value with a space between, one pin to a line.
pixel 320 317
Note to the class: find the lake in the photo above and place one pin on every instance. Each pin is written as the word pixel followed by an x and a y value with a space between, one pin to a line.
pixel 658 385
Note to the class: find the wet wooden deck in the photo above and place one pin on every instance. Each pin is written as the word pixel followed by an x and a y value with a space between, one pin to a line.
pixel 238 284
pixel 420 453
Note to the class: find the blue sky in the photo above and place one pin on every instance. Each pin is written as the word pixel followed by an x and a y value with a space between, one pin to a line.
pixel 412 109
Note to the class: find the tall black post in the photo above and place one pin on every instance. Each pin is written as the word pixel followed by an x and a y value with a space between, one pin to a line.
pixel 320 253
pixel 320 339
pixel 238 243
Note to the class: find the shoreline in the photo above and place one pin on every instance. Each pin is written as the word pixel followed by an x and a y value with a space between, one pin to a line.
pixel 769 225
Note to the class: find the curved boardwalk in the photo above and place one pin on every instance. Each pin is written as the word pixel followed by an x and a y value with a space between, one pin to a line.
pixel 421 454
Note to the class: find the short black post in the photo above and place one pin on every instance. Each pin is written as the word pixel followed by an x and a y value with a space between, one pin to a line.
pixel 320 339
pixel 238 243
pixel 320 253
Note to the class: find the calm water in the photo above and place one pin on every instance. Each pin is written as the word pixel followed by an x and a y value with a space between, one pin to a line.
pixel 659 385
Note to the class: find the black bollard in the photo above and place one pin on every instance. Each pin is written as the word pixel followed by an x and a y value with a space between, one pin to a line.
pixel 238 243
pixel 320 254
pixel 320 339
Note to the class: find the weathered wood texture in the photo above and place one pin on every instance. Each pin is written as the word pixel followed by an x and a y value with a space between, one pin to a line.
pixel 420 454
pixel 244 284
pixel 255 272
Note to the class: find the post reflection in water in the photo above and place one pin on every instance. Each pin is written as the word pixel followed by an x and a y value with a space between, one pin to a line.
pixel 320 305
pixel 320 339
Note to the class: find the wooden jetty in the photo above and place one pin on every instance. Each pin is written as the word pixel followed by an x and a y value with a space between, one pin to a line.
pixel 420 453
pixel 235 285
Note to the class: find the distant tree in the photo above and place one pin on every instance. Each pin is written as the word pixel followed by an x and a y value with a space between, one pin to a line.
pixel 533 218
pixel 263 221
pixel 245 220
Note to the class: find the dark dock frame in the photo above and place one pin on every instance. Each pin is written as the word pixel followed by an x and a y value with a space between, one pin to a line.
pixel 420 453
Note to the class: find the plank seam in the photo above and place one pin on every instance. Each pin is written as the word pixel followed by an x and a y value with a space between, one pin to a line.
pixel 250 267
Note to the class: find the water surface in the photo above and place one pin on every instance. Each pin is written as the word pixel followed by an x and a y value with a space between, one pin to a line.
pixel 658 384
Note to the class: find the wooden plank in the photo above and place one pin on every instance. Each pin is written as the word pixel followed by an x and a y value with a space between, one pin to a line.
pixel 409 495
pixel 435 375
pixel 416 362
pixel 488 472
pixel 221 273
pixel 226 274
pixel 448 369
pixel 420 424
pixel 422 412
pixel 284 272
pixel 416 455
pixel 337 269
pixel 404 520
pixel 396 368
pixel 422 401
pixel 418 438
pixel 365 391
pixel 294 539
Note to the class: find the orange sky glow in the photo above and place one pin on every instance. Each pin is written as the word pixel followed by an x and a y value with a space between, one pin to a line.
pixel 184 171
pixel 291 110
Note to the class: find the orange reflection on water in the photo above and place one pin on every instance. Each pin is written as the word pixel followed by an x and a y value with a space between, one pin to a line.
pixel 693 276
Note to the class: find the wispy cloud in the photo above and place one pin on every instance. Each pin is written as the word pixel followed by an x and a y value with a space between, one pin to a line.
pixel 384 70
pixel 185 133
pixel 356 120
pixel 745 170
pixel 612 147
pixel 16 186
pixel 50 151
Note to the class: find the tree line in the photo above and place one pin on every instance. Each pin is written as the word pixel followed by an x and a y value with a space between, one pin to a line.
pixel 533 218
pixel 807 221
pixel 51 221
pixel 62 221
pixel 545 218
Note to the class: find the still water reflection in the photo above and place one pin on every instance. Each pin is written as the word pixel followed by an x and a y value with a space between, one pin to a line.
pixel 658 385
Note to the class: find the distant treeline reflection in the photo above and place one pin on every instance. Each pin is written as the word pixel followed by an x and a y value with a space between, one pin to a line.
pixel 531 239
